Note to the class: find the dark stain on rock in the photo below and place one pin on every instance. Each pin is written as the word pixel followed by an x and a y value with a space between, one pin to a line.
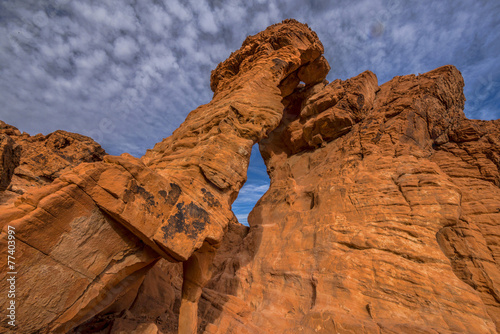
pixel 376 139
pixel 135 189
pixel 210 199
pixel 59 142
pixel 279 64
pixel 148 197
pixel 40 159
pixel 173 195
pixel 189 219
pixel 361 101
pixel 64 156
pixel 128 196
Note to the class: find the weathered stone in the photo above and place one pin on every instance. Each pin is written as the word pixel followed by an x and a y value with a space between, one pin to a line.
pixel 376 228
pixel 314 72
pixel 10 154
pixel 175 202
pixel 38 160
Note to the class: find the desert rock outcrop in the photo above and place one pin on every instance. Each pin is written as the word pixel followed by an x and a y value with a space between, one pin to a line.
pixel 100 226
pixel 383 216
pixel 30 162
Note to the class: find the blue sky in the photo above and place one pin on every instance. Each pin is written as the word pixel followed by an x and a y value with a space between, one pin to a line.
pixel 128 72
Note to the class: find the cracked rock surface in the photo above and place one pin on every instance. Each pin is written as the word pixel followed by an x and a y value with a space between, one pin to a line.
pixel 383 216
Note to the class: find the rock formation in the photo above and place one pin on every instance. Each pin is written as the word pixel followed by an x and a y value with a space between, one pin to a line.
pixel 30 162
pixel 382 216
pixel 99 227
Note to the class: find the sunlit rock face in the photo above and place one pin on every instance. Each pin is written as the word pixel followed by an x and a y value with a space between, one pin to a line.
pixel 30 162
pixel 383 216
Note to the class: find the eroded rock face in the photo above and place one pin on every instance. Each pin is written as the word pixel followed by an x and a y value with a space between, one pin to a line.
pixel 101 226
pixel 10 154
pixel 383 216
pixel 30 162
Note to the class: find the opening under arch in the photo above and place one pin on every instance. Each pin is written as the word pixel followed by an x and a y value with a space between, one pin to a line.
pixel 256 185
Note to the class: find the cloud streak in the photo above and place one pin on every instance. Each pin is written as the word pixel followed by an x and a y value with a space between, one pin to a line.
pixel 248 196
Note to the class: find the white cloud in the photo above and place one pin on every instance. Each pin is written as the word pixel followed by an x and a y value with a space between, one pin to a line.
pixel 93 61
pixel 111 15
pixel 178 10
pixel 243 219
pixel 207 23
pixel 252 192
pixel 158 20
pixel 125 48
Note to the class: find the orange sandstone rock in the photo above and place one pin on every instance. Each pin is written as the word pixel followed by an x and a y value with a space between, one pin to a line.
pixel 124 213
pixel 382 216
pixel 34 161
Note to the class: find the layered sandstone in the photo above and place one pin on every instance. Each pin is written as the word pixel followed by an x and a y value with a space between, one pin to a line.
pixel 383 216
pixel 30 162
pixel 99 227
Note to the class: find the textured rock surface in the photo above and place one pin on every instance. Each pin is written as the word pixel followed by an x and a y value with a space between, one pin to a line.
pixel 30 162
pixel 101 226
pixel 383 216
pixel 157 301
pixel 209 152
pixel 154 301
pixel 10 154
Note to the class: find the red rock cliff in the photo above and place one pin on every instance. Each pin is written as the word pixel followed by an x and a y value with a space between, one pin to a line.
pixel 383 216
pixel 101 226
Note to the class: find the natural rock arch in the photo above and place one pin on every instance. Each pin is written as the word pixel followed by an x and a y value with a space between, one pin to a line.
pixel 122 214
